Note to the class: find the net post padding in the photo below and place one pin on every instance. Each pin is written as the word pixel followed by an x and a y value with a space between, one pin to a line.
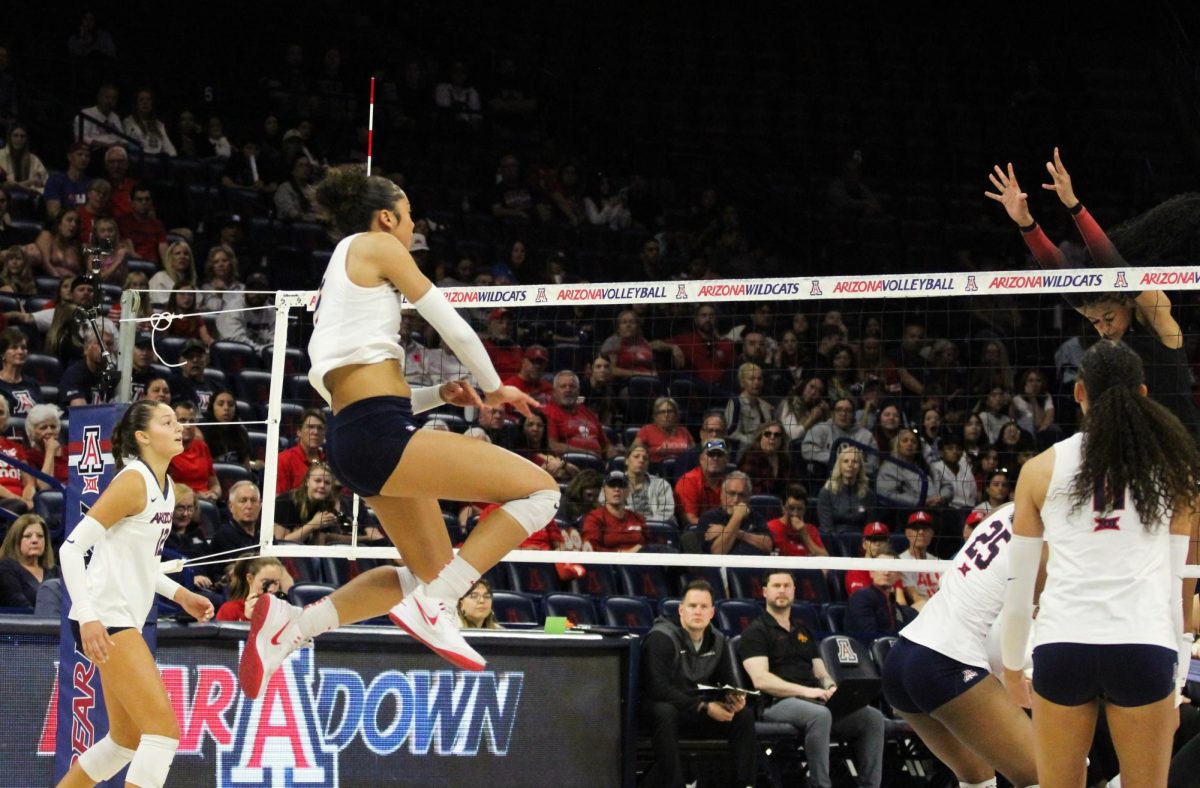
pixel 284 302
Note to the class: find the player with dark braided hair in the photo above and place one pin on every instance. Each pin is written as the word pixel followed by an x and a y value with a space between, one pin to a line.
pixel 1115 503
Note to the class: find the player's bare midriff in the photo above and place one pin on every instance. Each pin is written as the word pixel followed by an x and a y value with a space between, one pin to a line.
pixel 352 383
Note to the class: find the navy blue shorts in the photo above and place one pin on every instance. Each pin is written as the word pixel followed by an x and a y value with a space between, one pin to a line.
pixel 364 442
pixel 919 680
pixel 79 640
pixel 1128 674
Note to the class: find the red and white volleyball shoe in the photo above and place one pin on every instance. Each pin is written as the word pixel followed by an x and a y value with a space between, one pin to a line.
pixel 435 624
pixel 266 646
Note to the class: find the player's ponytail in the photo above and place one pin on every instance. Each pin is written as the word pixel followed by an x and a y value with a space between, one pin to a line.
pixel 124 435
pixel 349 198
pixel 1130 441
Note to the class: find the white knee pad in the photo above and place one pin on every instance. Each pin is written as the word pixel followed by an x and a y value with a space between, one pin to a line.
pixel 534 511
pixel 152 761
pixel 408 581
pixel 104 759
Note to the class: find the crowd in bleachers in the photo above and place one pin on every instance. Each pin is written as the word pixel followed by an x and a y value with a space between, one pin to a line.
pixel 859 415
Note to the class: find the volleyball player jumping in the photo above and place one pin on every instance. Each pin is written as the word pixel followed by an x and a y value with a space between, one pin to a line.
pixel 375 449
pixel 1114 502
pixel 111 597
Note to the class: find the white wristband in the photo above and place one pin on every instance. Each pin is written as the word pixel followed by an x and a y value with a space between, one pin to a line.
pixel 427 398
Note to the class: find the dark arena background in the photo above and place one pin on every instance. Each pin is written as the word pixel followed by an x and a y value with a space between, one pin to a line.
pixel 774 214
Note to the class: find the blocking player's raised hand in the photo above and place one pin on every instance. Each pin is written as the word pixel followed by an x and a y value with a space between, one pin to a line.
pixel 1008 193
pixel 1061 182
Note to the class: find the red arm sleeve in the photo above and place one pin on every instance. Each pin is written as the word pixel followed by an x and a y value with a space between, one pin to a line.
pixel 1047 254
pixel 1102 250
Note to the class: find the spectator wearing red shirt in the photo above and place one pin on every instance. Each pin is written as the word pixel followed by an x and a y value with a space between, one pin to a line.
pixel 875 541
pixel 16 486
pixel 792 534
pixel 116 172
pixel 612 527
pixel 309 448
pixel 630 353
pixel 572 426
pixel 705 353
pixel 505 353
pixel 699 490
pixel 141 228
pixel 194 467
pixel 665 436
pixel 251 578
pixel 530 377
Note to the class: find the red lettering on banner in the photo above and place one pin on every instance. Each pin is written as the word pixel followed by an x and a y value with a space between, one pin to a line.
pixel 46 743
pixel 175 680
pixel 83 732
pixel 214 696
pixel 278 694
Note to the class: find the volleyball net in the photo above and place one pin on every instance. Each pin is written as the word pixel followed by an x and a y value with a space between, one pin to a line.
pixel 928 350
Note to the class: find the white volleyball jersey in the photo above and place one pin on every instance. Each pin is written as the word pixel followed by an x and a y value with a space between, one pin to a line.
pixel 957 620
pixel 126 562
pixel 1108 580
pixel 352 324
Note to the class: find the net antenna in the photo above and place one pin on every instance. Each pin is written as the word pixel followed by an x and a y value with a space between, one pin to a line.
pixel 370 126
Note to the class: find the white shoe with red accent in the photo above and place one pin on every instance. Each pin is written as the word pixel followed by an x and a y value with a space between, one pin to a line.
pixel 433 623
pixel 265 649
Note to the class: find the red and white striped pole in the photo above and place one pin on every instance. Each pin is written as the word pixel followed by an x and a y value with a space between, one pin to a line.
pixel 371 126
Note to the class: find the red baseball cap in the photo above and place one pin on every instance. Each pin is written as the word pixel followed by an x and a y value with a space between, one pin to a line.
pixel 499 313
pixel 536 353
pixel 919 519
pixel 876 529
pixel 975 518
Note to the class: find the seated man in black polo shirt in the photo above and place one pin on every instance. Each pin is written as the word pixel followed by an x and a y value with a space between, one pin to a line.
pixel 781 659
pixel 677 655
pixel 735 528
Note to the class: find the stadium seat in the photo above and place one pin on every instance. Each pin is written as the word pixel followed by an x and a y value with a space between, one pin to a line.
pixel 662 533
pixel 811 586
pixel 745 582
pixel 48 504
pixel 233 357
pixel 880 648
pixel 734 615
pixel 210 516
pixel 254 386
pixel 835 616
pixel 514 608
pixel 454 529
pixel 633 613
pixel 306 593
pixel 295 360
pixel 300 391
pixel 229 474
pixel 847 659
pixel 583 460
pixel 642 391
pixel 670 607
pixel 42 368
pixel 168 347
pixel 600 581
pixel 532 578
pixel 643 580
pixel 216 378
pixel 576 608
pixel 710 573
pixel 809 614
pixel 290 415
pixel 769 506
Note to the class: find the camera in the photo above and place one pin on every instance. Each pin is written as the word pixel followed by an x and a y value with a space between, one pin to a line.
pixel 266 589
pixel 344 522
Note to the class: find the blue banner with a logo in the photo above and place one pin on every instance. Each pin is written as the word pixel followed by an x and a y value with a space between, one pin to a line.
pixel 81 716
